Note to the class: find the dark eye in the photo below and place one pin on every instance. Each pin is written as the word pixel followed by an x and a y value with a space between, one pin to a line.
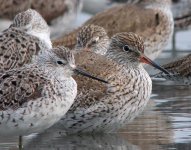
pixel 60 62
pixel 94 42
pixel 126 48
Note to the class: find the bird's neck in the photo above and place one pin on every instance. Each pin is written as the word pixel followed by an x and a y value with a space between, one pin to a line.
pixel 119 58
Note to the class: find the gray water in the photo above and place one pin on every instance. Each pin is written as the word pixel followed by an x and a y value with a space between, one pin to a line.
pixel 165 124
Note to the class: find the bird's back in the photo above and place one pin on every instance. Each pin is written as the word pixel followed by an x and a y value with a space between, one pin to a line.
pixel 155 25
pixel 17 48
pixel 106 107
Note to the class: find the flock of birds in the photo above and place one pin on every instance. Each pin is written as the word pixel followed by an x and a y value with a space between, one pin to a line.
pixel 90 80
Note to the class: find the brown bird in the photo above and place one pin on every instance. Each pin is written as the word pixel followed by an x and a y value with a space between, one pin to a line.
pixel 36 95
pixel 53 9
pixel 151 19
pixel 9 8
pixel 27 36
pixel 180 8
pixel 180 69
pixel 49 9
pixel 57 13
pixel 93 38
pixel 100 107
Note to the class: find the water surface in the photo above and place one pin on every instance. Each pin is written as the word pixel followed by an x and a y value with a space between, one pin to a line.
pixel 164 124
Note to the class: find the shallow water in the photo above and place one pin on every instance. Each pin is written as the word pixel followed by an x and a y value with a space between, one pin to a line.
pixel 165 124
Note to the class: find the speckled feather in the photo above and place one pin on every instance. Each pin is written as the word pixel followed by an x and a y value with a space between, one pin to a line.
pixel 47 8
pixel 26 37
pixel 21 85
pixel 180 69
pixel 52 9
pixel 37 95
pixel 9 8
pixel 90 31
pixel 99 107
pixel 82 36
pixel 17 48
pixel 154 22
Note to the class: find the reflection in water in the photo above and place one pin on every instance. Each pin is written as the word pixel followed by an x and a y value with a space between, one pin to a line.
pixel 11 143
pixel 178 108
pixel 164 124
pixel 150 130
pixel 76 142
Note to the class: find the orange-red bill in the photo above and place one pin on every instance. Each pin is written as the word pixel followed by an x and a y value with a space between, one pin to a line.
pixel 146 60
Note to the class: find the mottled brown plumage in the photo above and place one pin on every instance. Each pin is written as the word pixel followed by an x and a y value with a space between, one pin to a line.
pixel 24 39
pixel 53 9
pixel 180 69
pixel 99 107
pixel 180 8
pixel 49 9
pixel 151 19
pixel 93 38
pixel 90 37
pixel 35 96
pixel 18 48
pixel 20 86
pixel 9 8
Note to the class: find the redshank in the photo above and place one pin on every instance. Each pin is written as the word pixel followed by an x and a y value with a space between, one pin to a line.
pixel 93 38
pixel 152 19
pixel 37 95
pixel 99 107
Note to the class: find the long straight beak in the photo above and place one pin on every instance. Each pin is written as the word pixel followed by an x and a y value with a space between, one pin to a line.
pixel 84 73
pixel 145 59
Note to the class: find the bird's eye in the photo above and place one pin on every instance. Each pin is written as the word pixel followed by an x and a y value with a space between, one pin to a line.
pixel 95 40
pixel 60 62
pixel 126 48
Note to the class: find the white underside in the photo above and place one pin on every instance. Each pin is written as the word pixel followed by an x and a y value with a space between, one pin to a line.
pixel 39 115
